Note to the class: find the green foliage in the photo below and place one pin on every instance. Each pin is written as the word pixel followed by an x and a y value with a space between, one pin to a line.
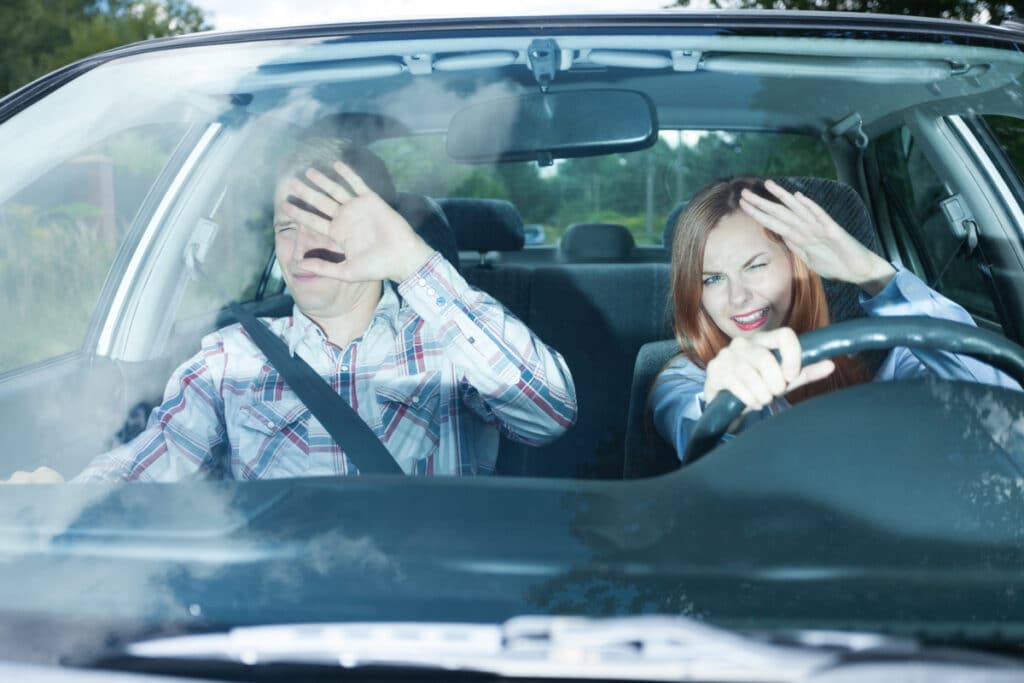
pixel 984 11
pixel 36 37
pixel 59 235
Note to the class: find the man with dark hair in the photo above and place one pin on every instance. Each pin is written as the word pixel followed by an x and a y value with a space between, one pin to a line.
pixel 437 369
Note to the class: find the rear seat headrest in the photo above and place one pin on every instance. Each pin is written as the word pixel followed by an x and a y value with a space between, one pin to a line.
pixel 484 224
pixel 595 243
pixel 669 231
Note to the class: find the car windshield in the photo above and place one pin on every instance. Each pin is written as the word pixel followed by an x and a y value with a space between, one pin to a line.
pixel 493 282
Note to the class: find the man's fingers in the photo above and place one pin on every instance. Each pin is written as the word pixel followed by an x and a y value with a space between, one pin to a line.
pixel 306 218
pixel 317 200
pixel 336 271
pixel 352 178
pixel 334 190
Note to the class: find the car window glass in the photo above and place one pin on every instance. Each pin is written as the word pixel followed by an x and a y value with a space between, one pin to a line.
pixel 913 194
pixel 1009 132
pixel 240 245
pixel 636 189
pixel 59 234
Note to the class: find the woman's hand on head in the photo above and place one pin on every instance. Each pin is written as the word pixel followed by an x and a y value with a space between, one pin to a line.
pixel 816 239
pixel 748 369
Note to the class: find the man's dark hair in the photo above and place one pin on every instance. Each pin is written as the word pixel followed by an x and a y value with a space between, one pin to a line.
pixel 320 151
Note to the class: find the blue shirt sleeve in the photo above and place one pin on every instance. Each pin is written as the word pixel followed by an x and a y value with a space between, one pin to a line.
pixel 677 402
pixel 906 294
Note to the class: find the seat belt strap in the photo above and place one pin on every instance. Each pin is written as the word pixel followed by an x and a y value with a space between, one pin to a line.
pixel 348 430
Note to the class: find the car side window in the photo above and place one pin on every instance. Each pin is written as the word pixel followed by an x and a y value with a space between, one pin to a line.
pixel 59 234
pixel 1009 133
pixel 913 195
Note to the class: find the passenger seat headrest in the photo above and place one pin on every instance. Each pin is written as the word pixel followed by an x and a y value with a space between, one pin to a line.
pixel 429 222
pixel 484 225
pixel 595 243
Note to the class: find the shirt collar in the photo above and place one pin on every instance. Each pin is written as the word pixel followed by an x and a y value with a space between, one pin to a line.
pixel 303 328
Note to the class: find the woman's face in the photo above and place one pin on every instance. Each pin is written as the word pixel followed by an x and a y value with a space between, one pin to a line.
pixel 748 280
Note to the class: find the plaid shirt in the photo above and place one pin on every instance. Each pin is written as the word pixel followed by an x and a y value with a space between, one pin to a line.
pixel 440 370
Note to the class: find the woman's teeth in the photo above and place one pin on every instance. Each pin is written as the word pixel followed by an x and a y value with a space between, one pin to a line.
pixel 753 317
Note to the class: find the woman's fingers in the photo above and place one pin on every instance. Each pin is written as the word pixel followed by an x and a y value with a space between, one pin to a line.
pixel 780 226
pixel 819 214
pixel 790 200
pixel 749 370
pixel 813 373
pixel 788 344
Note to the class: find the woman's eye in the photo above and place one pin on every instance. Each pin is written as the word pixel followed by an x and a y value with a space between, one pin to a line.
pixel 712 279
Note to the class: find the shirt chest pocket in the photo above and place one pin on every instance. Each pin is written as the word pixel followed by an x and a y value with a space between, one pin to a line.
pixel 273 439
pixel 410 411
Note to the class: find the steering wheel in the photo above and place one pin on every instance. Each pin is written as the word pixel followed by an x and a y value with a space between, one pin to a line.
pixel 868 334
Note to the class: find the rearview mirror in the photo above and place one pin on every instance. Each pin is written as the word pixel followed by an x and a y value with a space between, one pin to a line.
pixel 555 125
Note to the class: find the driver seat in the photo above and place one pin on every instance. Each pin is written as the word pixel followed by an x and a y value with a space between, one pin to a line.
pixel 647 454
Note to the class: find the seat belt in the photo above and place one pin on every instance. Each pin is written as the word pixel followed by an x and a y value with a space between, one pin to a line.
pixel 348 430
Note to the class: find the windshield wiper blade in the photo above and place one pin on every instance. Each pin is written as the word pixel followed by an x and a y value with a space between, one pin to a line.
pixel 657 648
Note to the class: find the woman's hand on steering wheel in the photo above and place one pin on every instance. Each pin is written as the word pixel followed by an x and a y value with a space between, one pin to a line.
pixel 749 369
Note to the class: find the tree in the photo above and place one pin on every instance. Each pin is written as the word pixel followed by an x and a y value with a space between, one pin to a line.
pixel 36 37
pixel 984 11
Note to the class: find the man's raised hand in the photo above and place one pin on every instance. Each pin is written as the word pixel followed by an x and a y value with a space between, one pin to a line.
pixel 376 241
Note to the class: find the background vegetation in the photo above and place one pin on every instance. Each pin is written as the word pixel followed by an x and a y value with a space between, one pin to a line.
pixel 38 37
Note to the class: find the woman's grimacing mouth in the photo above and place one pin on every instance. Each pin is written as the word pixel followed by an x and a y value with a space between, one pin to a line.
pixel 751 320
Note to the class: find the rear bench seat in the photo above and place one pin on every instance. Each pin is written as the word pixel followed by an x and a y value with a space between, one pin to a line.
pixel 592 308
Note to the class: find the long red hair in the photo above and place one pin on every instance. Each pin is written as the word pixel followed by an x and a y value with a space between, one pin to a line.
pixel 698 336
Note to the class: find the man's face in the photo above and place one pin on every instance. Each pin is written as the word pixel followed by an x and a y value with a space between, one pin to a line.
pixel 316 296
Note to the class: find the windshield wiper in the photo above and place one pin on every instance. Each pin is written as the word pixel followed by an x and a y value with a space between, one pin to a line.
pixel 656 648
pixel 642 648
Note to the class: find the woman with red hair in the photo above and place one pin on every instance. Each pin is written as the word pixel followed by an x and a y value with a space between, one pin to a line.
pixel 747 263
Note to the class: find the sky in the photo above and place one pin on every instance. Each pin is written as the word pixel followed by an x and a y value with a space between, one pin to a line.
pixel 232 15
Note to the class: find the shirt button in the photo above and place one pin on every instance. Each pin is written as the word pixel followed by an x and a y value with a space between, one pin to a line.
pixel 344 368
pixel 431 291
pixel 422 283
pixel 472 340
pixel 440 301
pixel 270 425
pixel 415 399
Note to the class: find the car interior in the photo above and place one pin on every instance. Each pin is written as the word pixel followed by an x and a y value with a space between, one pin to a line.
pixel 899 127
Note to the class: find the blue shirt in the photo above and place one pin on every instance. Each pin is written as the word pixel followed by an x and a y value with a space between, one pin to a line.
pixel 678 395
